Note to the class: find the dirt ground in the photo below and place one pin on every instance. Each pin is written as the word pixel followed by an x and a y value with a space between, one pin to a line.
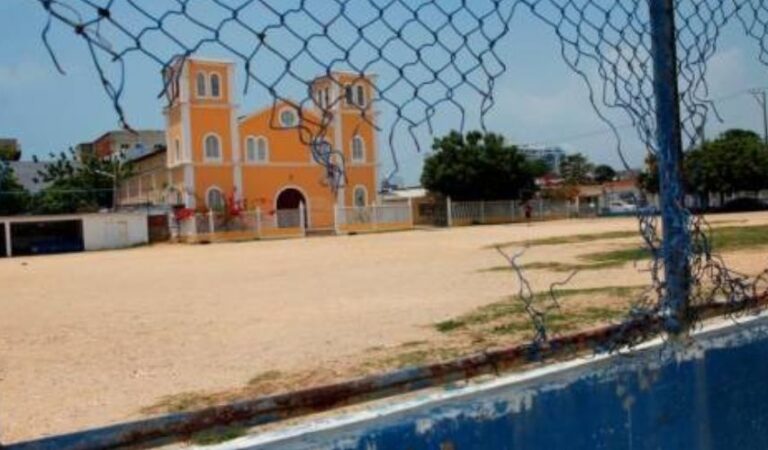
pixel 91 339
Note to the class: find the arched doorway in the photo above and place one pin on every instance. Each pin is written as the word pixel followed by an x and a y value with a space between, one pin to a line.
pixel 288 203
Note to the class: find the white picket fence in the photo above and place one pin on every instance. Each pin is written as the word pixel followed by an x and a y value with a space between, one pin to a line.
pixel 246 224
pixel 482 212
pixel 373 218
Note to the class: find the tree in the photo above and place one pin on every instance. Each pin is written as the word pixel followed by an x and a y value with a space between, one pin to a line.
pixel 14 199
pixel 734 162
pixel 479 167
pixel 80 186
pixel 604 173
pixel 576 169
pixel 649 177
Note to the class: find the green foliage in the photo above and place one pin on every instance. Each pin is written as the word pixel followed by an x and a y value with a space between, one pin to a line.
pixel 604 173
pixel 576 169
pixel 80 186
pixel 736 161
pixel 649 177
pixel 14 199
pixel 479 166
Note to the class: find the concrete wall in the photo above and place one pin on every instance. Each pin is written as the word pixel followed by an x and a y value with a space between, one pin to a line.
pixel 711 395
pixel 100 231
pixel 110 231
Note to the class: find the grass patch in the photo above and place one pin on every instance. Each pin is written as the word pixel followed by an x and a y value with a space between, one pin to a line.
pixel 572 239
pixel 739 238
pixel 186 401
pixel 217 435
pixel 266 377
pixel 613 258
pixel 512 310
pixel 414 358
pixel 721 240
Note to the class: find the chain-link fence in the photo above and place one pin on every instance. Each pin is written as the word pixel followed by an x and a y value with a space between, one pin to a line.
pixel 647 60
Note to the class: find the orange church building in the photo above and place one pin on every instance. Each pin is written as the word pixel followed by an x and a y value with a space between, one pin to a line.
pixel 259 160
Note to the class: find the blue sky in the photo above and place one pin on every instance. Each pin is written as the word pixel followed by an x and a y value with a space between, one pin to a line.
pixel 539 100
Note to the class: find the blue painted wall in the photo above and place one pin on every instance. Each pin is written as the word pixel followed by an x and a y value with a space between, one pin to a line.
pixel 712 394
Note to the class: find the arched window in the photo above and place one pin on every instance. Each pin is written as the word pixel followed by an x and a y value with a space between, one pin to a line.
pixel 214 199
pixel 358 149
pixel 212 147
pixel 256 149
pixel 215 85
pixel 201 84
pixel 349 95
pixel 288 118
pixel 360 96
pixel 360 197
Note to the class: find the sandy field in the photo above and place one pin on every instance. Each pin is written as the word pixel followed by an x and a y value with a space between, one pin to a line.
pixel 92 339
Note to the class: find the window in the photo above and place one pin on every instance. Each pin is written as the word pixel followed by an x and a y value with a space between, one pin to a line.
pixel 212 147
pixel 358 149
pixel 215 85
pixel 256 149
pixel 327 98
pixel 215 199
pixel 288 118
pixel 360 197
pixel 201 91
pixel 360 96
pixel 349 95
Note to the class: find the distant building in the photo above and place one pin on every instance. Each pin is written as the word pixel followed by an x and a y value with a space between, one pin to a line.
pixel 216 156
pixel 148 185
pixel 133 144
pixel 552 156
pixel 14 146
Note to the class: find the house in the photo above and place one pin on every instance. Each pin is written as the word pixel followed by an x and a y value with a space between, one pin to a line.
pixel 11 148
pixel 149 183
pixel 131 143
pixel 262 160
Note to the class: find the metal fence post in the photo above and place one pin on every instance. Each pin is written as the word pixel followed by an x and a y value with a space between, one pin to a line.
pixel 449 211
pixel 410 211
pixel 336 227
pixel 302 219
pixel 8 249
pixel 258 222
pixel 211 224
pixel 375 216
pixel 676 235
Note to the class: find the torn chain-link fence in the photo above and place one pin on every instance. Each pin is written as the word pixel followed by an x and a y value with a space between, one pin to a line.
pixel 441 56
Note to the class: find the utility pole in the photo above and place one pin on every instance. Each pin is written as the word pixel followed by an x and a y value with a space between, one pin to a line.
pixel 760 96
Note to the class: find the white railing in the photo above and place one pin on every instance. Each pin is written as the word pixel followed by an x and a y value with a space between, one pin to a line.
pixel 373 218
pixel 245 224
pixel 463 213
